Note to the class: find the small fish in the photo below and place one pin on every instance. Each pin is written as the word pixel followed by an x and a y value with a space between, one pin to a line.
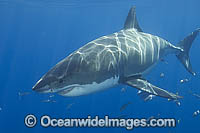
pixel 123 107
pixel 178 103
pixel 169 99
pixel 51 96
pixel 69 106
pixel 196 95
pixel 23 93
pixel 145 96
pixel 162 75
pixel 53 101
pixel 178 121
pixel 184 80
pixel 48 101
pixel 196 113
pixel 123 89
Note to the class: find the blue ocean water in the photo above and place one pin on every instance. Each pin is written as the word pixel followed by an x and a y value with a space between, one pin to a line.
pixel 35 35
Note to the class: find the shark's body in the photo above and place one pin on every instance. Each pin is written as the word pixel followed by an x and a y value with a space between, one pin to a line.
pixel 120 58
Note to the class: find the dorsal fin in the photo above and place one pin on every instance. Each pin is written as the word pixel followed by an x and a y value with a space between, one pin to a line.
pixel 131 20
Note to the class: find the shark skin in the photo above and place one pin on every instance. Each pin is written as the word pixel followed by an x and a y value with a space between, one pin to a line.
pixel 123 57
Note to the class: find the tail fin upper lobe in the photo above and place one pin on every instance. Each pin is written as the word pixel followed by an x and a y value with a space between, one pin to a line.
pixel 186 44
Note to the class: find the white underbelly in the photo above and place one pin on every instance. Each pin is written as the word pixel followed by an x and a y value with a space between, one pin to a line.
pixel 79 90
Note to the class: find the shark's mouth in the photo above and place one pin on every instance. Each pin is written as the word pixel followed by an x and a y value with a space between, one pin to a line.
pixel 68 89
pixel 65 91
pixel 84 89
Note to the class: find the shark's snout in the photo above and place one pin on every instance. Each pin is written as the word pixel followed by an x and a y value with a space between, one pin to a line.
pixel 43 85
pixel 44 89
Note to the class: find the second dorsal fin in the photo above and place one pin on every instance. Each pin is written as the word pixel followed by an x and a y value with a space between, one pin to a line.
pixel 131 20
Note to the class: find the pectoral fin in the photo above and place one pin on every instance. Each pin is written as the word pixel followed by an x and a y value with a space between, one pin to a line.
pixel 147 87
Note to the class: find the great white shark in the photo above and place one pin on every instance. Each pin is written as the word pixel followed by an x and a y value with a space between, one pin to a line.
pixel 119 58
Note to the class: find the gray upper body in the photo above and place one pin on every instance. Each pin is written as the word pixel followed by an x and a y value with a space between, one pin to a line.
pixel 124 53
pixel 108 61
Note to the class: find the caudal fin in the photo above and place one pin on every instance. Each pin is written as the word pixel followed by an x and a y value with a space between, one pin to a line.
pixel 183 56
